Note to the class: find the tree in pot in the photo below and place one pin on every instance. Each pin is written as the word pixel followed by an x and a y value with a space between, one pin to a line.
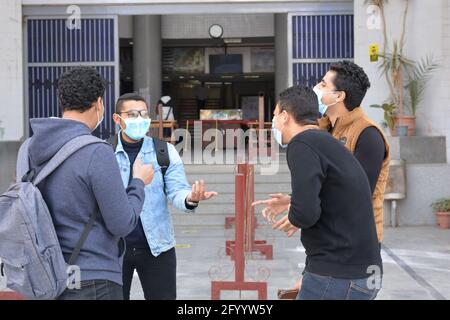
pixel 418 75
pixel 402 74
pixel 442 211
pixel 418 78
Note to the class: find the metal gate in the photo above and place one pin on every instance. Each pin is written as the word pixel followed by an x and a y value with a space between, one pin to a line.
pixel 316 42
pixel 52 48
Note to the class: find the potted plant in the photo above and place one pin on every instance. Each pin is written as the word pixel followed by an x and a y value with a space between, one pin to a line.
pixel 418 75
pixel 394 66
pixel 389 110
pixel 402 75
pixel 442 210
pixel 417 80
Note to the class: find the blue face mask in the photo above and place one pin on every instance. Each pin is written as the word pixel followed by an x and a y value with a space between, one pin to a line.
pixel 322 107
pixel 136 128
pixel 277 135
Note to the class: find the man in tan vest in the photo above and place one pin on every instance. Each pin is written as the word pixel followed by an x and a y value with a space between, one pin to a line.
pixel 340 95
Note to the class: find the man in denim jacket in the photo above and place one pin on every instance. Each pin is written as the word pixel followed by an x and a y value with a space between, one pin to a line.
pixel 151 246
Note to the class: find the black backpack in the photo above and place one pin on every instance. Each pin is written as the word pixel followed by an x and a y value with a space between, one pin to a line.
pixel 162 152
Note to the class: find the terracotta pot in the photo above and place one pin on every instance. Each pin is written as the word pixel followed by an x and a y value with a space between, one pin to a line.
pixel 443 219
pixel 407 121
pixel 10 295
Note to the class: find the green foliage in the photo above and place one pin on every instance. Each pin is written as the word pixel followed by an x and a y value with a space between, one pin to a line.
pixel 418 78
pixel 442 205
pixel 389 112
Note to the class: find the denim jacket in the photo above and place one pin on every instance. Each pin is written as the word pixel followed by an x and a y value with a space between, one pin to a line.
pixel 155 217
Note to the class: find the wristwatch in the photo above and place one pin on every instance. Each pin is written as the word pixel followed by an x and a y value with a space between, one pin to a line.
pixel 191 203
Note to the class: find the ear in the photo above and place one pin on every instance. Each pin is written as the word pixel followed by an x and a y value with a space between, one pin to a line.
pixel 100 101
pixel 116 119
pixel 286 116
pixel 341 97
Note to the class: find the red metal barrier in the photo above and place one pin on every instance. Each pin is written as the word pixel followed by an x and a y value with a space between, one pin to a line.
pixel 250 244
pixel 244 238
pixel 10 295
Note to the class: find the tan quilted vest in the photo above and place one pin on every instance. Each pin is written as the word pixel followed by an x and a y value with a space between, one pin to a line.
pixel 348 129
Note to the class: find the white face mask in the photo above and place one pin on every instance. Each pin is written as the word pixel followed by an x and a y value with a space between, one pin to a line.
pixel 99 121
pixel 277 134
pixel 323 107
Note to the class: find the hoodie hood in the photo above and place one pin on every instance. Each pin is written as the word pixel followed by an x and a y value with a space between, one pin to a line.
pixel 49 135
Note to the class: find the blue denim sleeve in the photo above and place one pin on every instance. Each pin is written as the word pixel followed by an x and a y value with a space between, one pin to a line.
pixel 177 186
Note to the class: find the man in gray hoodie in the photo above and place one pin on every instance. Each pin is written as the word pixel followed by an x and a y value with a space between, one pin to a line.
pixel 87 181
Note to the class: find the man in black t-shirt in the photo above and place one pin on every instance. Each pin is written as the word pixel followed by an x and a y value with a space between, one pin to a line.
pixel 331 203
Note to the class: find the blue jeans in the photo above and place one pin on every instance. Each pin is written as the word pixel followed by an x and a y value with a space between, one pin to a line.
pixel 315 287
pixel 94 290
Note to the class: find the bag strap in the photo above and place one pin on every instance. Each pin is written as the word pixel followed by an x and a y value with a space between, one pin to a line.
pixel 161 149
pixel 168 113
pixel 162 155
pixel 65 152
pixel 83 237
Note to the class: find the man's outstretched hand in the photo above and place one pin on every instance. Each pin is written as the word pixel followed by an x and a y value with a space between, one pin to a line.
pixel 198 192
pixel 286 226
pixel 276 205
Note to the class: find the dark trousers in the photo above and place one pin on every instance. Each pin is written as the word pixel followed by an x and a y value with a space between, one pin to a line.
pixel 158 275
pixel 94 290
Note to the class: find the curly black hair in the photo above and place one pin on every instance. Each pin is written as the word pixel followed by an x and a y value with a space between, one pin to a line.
pixel 79 88
pixel 300 102
pixel 351 79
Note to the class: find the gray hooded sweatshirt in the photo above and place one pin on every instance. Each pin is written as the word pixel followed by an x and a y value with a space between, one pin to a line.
pixel 88 180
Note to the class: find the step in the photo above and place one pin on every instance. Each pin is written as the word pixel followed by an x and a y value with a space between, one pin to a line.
pixel 212 209
pixel 202 220
pixel 267 188
pixel 229 198
pixel 230 178
pixel 193 169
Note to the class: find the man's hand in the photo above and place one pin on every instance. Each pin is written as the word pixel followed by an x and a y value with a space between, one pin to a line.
pixel 199 194
pixel 286 226
pixel 143 171
pixel 278 204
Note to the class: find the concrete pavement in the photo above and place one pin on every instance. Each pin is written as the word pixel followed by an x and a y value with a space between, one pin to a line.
pixel 416 263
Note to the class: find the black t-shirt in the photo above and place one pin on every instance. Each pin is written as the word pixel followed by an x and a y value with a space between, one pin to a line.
pixel 332 204
pixel 137 238
pixel 371 151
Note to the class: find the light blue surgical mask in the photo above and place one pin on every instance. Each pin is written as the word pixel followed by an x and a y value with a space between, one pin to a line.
pixel 277 135
pixel 136 128
pixel 322 107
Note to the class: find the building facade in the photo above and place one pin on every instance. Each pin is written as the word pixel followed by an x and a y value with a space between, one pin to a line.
pixel 136 45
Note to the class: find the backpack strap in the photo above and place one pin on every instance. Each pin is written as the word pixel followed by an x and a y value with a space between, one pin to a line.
pixel 83 237
pixel 65 152
pixel 162 154
pixel 161 149
pixel 168 113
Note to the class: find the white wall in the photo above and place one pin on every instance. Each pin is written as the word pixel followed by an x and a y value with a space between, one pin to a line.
pixel 234 25
pixel 11 74
pixel 197 26
pixel 428 31
pixel 126 27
